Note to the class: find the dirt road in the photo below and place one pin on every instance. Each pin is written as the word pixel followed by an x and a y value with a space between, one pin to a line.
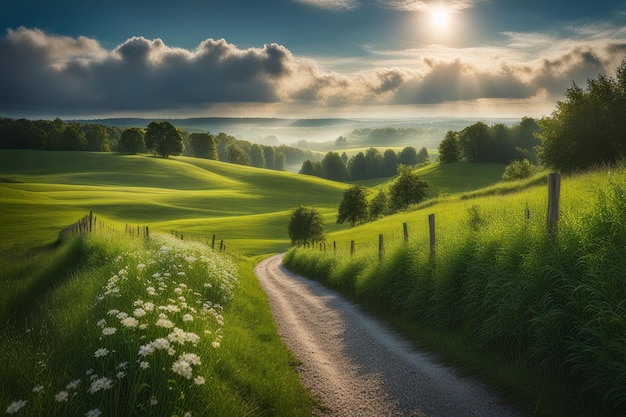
pixel 356 365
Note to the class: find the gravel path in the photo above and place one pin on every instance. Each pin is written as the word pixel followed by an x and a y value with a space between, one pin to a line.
pixel 355 365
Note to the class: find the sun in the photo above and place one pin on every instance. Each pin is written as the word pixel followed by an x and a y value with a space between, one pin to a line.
pixel 440 18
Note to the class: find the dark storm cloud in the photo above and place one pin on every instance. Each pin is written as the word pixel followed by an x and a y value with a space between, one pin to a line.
pixel 47 70
pixel 62 75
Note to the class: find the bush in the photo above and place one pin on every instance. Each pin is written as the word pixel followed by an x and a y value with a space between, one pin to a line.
pixel 518 170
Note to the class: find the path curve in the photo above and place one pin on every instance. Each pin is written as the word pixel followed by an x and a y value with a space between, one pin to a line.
pixel 357 366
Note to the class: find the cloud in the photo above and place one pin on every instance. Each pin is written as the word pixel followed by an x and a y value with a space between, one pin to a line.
pixel 336 5
pixel 56 75
pixel 427 5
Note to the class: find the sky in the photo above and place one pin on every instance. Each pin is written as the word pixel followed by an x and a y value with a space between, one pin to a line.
pixel 302 58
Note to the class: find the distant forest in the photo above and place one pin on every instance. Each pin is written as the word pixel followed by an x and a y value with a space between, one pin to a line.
pixel 58 135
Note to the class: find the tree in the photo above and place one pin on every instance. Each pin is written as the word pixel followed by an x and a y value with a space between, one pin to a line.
pixel 450 148
pixel 333 167
pixel 379 206
pixel 408 156
pixel 357 166
pixel 164 139
pixel 518 170
pixel 97 139
pixel 132 141
pixel 589 127
pixel 306 225
pixel 374 163
pixel 236 155
pixel 353 207
pixel 407 188
pixel 390 163
pixel 279 161
pixel 474 140
pixel 307 168
pixel 73 139
pixel 422 156
pixel 257 157
pixel 269 153
pixel 203 145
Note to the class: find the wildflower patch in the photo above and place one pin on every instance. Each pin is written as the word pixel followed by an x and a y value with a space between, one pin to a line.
pixel 156 321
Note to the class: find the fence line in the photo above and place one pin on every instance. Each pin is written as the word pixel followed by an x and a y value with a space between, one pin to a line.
pixel 554 193
pixel 90 224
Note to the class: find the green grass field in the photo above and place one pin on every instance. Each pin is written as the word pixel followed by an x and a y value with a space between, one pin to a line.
pixel 482 231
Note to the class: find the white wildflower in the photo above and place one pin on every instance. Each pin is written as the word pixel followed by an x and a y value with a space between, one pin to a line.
pixel 113 312
pixel 107 331
pixel 101 323
pixel 187 317
pixel 151 291
pixel 93 413
pixel 120 374
pixel 165 323
pixel 122 365
pixel 61 396
pixel 121 315
pixel 144 365
pixel 148 306
pixel 16 406
pixel 182 368
pixel 198 380
pixel 130 322
pixel 101 352
pixel 37 388
pixel 139 312
pixel 99 384
pixel 72 385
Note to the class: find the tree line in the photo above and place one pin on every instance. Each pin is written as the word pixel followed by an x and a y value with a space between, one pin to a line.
pixel 371 164
pixel 497 143
pixel 159 137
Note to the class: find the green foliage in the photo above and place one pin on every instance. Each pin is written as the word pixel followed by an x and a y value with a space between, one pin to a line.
pixel 353 206
pixel 518 170
pixel 408 156
pixel 407 188
pixel 132 141
pixel 203 145
pixel 333 167
pixel 379 206
pixel 236 155
pixel 450 148
pixel 98 139
pixel 163 139
pixel 306 225
pixel 589 127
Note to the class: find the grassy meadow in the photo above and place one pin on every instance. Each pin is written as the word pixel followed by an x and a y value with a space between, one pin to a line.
pixel 499 297
pixel 544 318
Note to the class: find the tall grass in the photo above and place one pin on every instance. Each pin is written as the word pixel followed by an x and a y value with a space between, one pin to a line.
pixel 501 282
pixel 140 328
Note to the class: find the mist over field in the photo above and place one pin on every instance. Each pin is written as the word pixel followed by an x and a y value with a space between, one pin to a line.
pixel 321 134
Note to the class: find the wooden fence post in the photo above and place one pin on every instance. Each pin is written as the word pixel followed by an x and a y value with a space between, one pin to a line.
pixel 147 232
pixel 431 227
pixel 554 194
pixel 213 243
pixel 352 247
pixel 221 245
pixel 334 246
pixel 406 232
pixel 381 247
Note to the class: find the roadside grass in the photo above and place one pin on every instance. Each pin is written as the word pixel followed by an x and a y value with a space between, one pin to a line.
pixel 147 327
pixel 541 317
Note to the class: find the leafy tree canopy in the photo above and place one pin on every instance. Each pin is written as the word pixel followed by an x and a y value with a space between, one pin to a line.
pixel 589 127
pixel 164 139
pixel 306 225
pixel 353 206
pixel 407 188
